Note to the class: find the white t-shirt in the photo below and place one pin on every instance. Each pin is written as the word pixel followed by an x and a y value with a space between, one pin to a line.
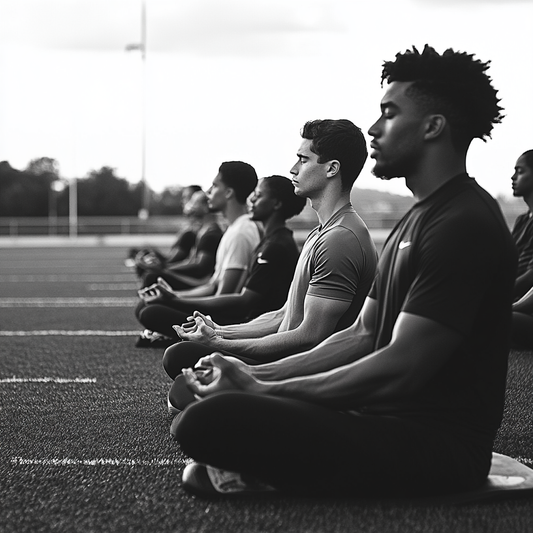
pixel 236 247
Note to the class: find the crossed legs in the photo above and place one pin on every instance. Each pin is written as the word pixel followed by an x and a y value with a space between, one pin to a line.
pixel 302 447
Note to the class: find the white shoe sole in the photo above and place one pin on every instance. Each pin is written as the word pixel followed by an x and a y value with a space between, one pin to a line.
pixel 171 409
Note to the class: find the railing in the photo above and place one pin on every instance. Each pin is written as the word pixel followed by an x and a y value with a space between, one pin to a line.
pixel 15 227
pixel 22 226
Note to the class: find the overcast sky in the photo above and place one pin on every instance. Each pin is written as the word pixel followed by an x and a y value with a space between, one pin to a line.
pixel 236 79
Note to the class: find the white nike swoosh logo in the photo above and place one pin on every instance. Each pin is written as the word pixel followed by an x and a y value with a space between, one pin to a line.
pixel 262 261
pixel 404 244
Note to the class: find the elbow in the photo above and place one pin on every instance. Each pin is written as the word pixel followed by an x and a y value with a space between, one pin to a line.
pixel 311 338
pixel 404 385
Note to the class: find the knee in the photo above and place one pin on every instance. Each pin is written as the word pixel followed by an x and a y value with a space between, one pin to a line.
pixel 149 278
pixel 184 354
pixel 139 309
pixel 169 360
pixel 175 358
pixel 200 423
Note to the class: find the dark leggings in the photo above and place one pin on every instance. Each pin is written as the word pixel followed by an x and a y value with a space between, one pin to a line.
pixel 160 318
pixel 175 281
pixel 522 331
pixel 302 447
pixel 185 355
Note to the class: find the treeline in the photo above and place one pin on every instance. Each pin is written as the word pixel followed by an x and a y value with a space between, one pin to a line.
pixel 38 191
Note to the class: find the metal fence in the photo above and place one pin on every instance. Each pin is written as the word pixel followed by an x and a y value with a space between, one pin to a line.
pixel 22 226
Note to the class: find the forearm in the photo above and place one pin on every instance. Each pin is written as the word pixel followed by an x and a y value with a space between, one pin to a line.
pixel 367 381
pixel 264 349
pixel 523 283
pixel 312 331
pixel 418 350
pixel 338 350
pixel 177 255
pixel 207 289
pixel 525 304
pixel 227 304
pixel 264 324
pixel 196 267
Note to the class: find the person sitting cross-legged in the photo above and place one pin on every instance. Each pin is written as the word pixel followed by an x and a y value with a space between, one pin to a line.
pixel 270 273
pixel 228 194
pixel 522 232
pixel 198 267
pixel 334 273
pixel 408 400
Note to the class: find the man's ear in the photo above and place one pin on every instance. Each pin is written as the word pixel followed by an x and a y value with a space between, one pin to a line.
pixel 333 169
pixel 229 192
pixel 435 126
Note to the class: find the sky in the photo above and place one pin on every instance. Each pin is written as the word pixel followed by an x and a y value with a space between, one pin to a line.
pixel 236 80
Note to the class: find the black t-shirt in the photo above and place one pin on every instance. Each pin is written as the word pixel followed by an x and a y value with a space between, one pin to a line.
pixel 272 269
pixel 208 239
pixel 451 259
pixel 523 238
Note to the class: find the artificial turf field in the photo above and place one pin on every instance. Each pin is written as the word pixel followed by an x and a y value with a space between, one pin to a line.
pixel 84 430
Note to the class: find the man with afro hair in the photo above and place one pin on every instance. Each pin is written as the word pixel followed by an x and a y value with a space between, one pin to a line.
pixel 407 401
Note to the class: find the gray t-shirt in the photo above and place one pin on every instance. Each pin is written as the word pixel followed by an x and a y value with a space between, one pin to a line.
pixel 338 261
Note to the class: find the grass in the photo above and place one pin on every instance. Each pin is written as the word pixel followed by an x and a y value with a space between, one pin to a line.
pixel 89 450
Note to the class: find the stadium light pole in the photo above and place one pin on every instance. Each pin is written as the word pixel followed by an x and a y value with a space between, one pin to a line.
pixel 145 201
pixel 73 208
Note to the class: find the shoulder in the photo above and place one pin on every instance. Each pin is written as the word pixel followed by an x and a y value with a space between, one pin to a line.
pixel 280 242
pixel 244 224
pixel 349 230
pixel 466 210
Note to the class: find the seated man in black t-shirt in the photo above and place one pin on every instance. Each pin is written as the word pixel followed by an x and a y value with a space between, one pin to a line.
pixel 203 237
pixel 150 256
pixel 270 274
pixel 408 400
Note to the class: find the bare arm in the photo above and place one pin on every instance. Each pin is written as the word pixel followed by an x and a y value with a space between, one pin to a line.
pixel 263 325
pixel 418 349
pixel 320 318
pixel 231 304
pixel 525 304
pixel 200 265
pixel 337 350
pixel 230 282
pixel 523 283
pixel 205 331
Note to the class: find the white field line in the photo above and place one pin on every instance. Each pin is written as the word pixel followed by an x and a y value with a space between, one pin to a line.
pixel 96 462
pixel 68 302
pixel 61 278
pixel 132 287
pixel 69 333
pixel 47 380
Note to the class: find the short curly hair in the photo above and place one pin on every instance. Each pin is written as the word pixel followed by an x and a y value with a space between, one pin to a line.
pixel 283 190
pixel 341 140
pixel 453 84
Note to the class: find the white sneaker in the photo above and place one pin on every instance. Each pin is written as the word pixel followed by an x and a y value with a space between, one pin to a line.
pixel 205 480
pixel 171 409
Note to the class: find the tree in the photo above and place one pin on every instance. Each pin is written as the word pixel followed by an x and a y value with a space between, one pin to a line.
pixel 44 166
pixel 168 202
pixel 26 193
pixel 105 194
